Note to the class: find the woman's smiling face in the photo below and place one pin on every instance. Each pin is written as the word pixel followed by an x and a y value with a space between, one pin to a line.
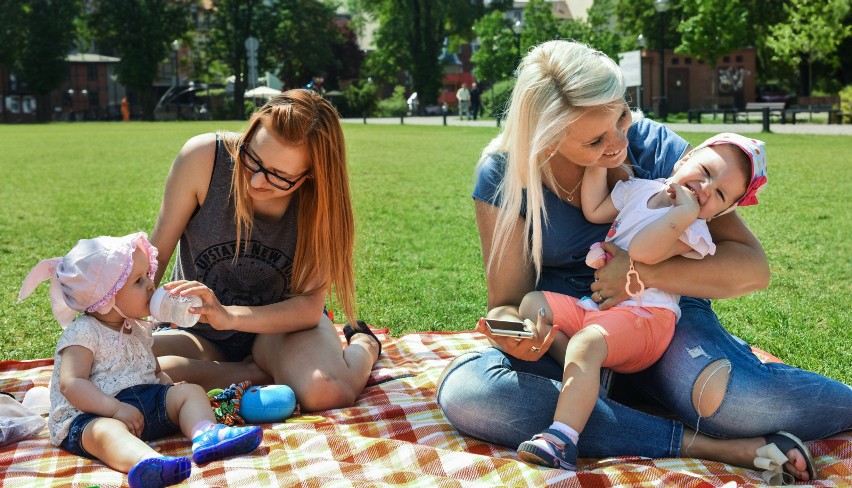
pixel 598 136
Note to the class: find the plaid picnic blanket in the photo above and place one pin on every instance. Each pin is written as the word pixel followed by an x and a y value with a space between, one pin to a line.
pixel 394 435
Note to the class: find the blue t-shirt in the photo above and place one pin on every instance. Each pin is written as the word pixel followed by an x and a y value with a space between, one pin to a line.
pixel 653 150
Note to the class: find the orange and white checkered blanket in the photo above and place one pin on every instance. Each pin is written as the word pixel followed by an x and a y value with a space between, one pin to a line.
pixel 394 435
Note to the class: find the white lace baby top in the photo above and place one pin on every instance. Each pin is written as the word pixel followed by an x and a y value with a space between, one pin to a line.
pixel 112 369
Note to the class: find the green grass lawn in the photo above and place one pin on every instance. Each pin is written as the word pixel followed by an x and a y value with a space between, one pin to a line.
pixel 418 260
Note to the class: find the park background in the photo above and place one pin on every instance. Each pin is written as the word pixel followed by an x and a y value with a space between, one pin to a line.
pixel 201 59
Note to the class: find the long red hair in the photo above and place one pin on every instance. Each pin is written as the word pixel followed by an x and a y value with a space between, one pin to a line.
pixel 326 227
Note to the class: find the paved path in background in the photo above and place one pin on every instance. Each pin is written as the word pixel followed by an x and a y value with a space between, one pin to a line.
pixel 800 128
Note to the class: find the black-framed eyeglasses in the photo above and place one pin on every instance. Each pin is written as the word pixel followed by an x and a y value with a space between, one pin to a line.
pixel 252 164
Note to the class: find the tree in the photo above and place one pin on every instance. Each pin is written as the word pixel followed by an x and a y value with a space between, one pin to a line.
pixel 813 32
pixel 495 59
pixel 297 39
pixel 597 30
pixel 711 29
pixel 141 32
pixel 639 17
pixel 11 37
pixel 763 14
pixel 304 40
pixel 44 44
pixel 602 35
pixel 411 34
pixel 539 24
pixel 348 58
pixel 232 25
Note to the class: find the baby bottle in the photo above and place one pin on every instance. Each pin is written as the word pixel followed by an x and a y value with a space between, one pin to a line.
pixel 174 309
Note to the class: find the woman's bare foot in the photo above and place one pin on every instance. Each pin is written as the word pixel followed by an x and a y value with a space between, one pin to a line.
pixel 738 452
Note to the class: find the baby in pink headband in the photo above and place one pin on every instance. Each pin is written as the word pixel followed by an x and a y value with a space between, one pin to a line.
pixel 107 394
pixel 653 220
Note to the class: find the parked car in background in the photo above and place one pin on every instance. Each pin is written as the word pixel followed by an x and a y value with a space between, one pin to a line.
pixel 770 92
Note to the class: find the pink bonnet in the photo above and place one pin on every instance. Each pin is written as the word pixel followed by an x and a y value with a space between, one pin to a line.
pixel 87 278
pixel 756 151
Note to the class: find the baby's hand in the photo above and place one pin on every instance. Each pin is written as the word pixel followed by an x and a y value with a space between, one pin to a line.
pixel 681 195
pixel 131 417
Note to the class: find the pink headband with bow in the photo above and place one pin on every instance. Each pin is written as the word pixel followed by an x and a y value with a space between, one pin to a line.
pixel 88 277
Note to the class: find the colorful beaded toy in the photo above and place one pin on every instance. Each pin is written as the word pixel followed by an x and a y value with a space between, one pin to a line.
pixel 226 403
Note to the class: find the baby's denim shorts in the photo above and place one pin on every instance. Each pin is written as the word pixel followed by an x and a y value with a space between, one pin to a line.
pixel 148 399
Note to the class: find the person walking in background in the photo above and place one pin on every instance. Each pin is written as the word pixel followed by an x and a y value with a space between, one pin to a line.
pixel 125 109
pixel 475 100
pixel 463 96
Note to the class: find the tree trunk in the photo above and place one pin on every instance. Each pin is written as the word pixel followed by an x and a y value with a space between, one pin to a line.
pixel 803 78
pixel 43 108
pixel 146 98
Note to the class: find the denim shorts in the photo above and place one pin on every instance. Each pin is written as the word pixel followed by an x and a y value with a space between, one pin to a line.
pixel 148 399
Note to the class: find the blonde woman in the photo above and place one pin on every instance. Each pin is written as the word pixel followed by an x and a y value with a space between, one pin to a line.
pixel 263 229
pixel 568 113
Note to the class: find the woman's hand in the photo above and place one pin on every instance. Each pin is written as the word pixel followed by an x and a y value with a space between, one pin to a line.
pixel 608 288
pixel 211 311
pixel 526 349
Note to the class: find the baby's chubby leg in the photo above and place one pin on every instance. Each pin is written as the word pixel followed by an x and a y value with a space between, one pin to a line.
pixel 110 441
pixel 531 304
pixel 586 352
pixel 187 405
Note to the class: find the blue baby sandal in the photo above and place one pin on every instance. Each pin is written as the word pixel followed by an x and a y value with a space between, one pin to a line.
pixel 159 471
pixel 221 441
pixel 551 448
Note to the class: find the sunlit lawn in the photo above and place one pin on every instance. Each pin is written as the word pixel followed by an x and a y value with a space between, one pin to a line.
pixel 418 260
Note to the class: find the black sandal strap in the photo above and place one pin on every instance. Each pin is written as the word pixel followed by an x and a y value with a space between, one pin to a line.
pixel 362 328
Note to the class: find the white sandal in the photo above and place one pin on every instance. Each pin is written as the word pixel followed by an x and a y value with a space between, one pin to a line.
pixel 773 456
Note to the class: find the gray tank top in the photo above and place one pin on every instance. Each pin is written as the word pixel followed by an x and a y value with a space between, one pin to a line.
pixel 262 271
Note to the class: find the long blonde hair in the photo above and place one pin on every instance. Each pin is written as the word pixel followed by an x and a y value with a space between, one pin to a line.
pixel 556 81
pixel 326 227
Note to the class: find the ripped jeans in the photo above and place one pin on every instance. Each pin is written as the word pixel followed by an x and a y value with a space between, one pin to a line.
pixel 760 398
pixel 495 397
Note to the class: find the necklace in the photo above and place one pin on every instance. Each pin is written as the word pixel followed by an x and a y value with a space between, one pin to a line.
pixel 569 195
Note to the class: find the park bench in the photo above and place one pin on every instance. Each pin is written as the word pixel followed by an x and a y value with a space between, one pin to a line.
pixel 694 114
pixel 776 109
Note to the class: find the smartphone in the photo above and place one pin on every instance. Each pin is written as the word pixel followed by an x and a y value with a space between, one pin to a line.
pixel 508 328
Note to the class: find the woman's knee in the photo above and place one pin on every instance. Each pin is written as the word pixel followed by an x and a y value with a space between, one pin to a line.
pixel 326 392
pixel 710 387
pixel 448 383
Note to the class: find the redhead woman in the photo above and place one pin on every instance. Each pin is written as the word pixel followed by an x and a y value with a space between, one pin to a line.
pixel 261 224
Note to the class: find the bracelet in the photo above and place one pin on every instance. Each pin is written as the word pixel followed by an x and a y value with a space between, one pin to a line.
pixel 635 275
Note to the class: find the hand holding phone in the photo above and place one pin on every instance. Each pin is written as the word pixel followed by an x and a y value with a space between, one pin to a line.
pixel 523 340
pixel 509 328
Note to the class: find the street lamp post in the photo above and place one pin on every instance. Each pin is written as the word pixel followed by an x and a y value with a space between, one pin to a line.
pixel 517 28
pixel 640 41
pixel 176 77
pixel 661 6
